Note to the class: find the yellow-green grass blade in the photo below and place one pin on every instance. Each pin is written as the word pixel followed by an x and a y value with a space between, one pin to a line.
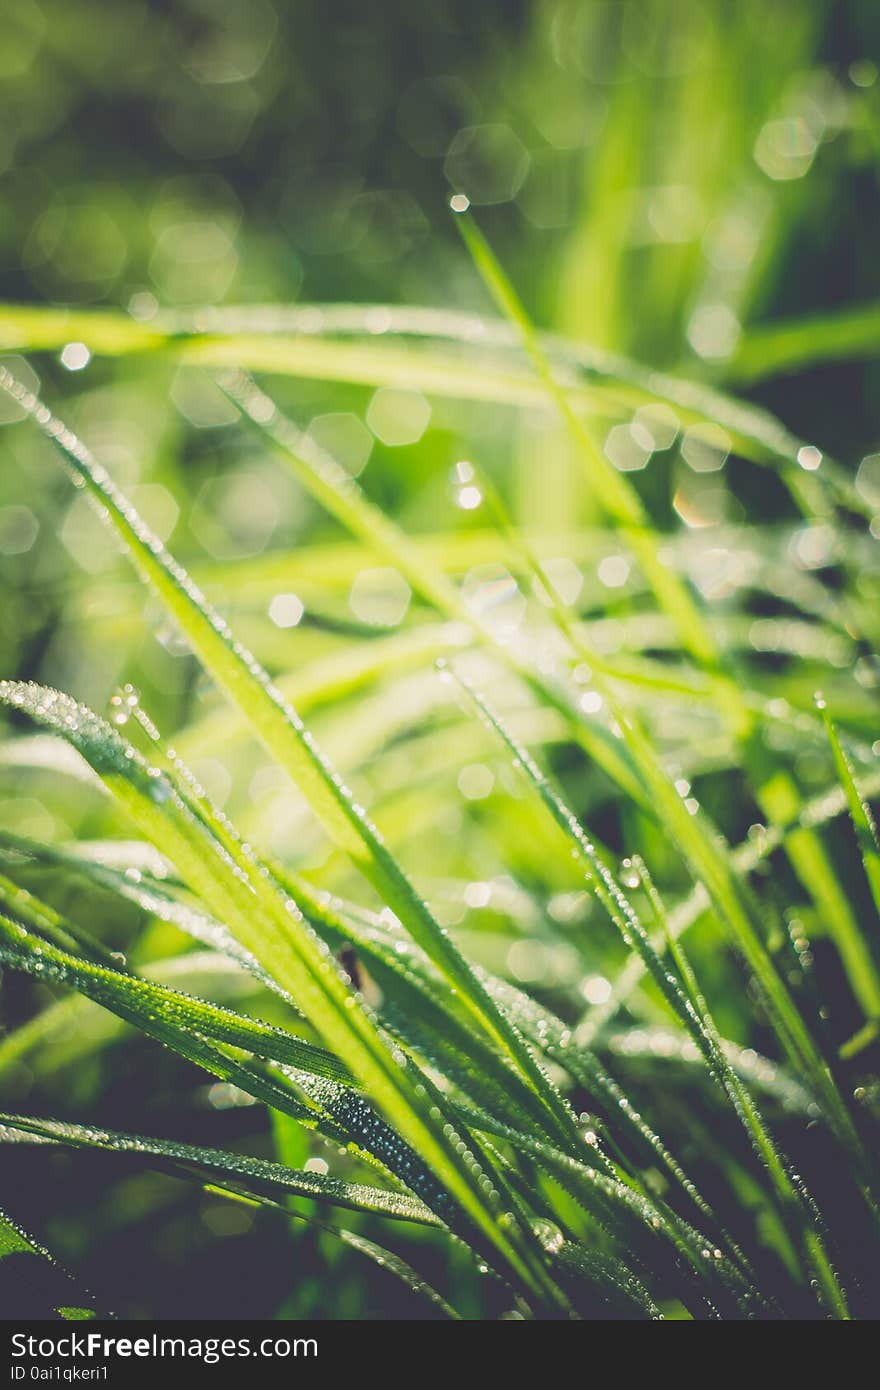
pixel 264 1174
pixel 343 497
pixel 280 728
pixel 780 348
pixel 863 822
pixel 797 1206
pixel 339 343
pixel 275 932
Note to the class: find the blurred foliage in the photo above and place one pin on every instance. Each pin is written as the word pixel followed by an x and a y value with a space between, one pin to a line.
pixel 661 180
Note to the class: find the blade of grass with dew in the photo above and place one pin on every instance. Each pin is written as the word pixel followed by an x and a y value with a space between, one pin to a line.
pixel 343 497
pixel 172 1017
pixel 25 1263
pixel 775 788
pixel 859 810
pixel 794 1199
pixel 415 1007
pixel 341 1116
pixel 299 887
pixel 425 1020
pixel 385 950
pixel 285 736
pixel 152 897
pixel 73 1027
pixel 643 1254
pixel 182 1023
pixel 709 862
pixel 602 1194
pixel 262 1173
pixel 218 825
pixel 637 1228
pixel 134 888
pixel 135 998
pixel 818 811
pixel 634 934
pixel 703 852
pixel 274 930
pixel 298 345
pixel 624 508
pixel 608 1276
pixel 547 1031
pixel 388 1260
pixel 35 913
pixel 618 499
pixel 38 959
pixel 534 1021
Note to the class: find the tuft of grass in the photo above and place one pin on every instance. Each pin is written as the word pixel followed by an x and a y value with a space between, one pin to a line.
pixel 531 1070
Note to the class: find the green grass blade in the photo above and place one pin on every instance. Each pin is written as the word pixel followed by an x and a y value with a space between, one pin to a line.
pixel 312 341
pixel 614 493
pixel 38 959
pixel 135 998
pixel 776 349
pixel 281 730
pixel 818 811
pixel 343 497
pixel 74 1028
pixel 32 1282
pixel 863 822
pixel 264 1175
pixel 797 1205
pixel 273 929
pixel 535 1021
pixel 376 1254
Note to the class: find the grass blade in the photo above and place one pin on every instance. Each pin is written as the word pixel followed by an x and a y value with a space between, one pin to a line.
pixel 281 730
pixel 33 1284
pixel 272 928
pixel 263 1174
pixel 862 819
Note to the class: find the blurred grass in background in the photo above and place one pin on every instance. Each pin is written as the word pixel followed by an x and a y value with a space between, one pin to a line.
pixel 662 180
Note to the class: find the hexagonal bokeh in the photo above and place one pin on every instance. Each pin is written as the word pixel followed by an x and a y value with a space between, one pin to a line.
pixel 78 240
pixel 23 31
pixel 386 223
pixel 868 479
pixel 713 330
pixel 785 148
pixel 194 262
pixel 18 529
pixel 629 447
pixel 202 121
pixel 487 163
pixel 379 597
pixel 234 42
pixel 432 110
pixel 286 610
pixel 235 514
pixel 565 576
pixel 398 417
pixel 705 448
pixel 157 507
pixel 344 437
pixel 199 398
